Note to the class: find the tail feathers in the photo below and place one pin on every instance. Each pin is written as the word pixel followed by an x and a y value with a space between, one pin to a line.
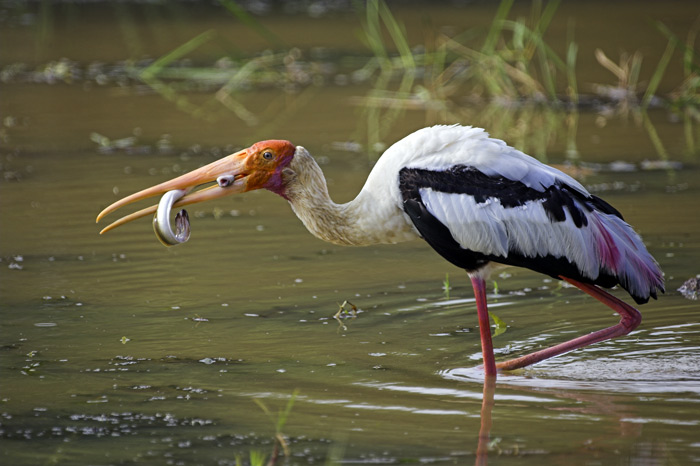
pixel 623 255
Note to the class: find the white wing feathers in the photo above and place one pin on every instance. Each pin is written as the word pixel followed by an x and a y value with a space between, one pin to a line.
pixel 442 147
pixel 606 244
pixel 490 228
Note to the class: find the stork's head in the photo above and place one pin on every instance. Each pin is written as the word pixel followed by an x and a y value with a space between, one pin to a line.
pixel 262 165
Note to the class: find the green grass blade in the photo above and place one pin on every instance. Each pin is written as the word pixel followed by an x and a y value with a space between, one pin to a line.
pixel 659 72
pixel 689 56
pixel 398 35
pixel 688 132
pixel 257 458
pixel 373 32
pixel 181 51
pixel 541 22
pixel 538 42
pixel 236 10
pixel 284 415
pixel 547 74
pixel 654 136
pixel 691 60
pixel 546 17
pixel 571 53
pixel 501 326
pixel 496 25
pixel 263 407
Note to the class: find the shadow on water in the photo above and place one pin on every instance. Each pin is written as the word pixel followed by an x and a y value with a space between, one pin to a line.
pixel 114 350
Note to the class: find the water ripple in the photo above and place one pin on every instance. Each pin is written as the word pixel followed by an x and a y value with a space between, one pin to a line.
pixel 661 375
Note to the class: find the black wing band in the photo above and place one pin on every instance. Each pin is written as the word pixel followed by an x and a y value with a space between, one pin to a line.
pixel 469 181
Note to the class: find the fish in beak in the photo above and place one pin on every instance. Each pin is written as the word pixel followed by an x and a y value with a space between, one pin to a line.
pixel 257 167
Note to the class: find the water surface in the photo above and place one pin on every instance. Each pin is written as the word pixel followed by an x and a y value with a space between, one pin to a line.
pixel 116 350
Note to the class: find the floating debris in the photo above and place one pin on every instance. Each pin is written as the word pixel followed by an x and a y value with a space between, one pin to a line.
pixel 212 360
pixel 345 313
pixel 621 166
pixel 660 165
pixel 691 288
pixel 197 319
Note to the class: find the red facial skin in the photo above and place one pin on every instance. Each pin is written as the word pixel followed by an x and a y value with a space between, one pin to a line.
pixel 264 163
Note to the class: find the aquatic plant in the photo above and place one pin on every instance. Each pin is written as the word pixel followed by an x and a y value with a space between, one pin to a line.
pixel 625 92
pixel 632 97
pixel 446 286
pixel 344 313
pixel 504 76
pixel 278 421
pixel 685 98
pixel 499 323
pixel 514 68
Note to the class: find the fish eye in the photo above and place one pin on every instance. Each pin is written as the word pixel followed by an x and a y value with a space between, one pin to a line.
pixel 267 155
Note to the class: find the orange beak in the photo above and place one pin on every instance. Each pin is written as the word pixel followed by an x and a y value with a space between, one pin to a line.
pixel 229 173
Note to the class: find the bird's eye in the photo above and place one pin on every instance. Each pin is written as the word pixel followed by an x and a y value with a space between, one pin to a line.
pixel 267 155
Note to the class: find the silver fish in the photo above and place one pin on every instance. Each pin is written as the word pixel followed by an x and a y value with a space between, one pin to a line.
pixel 161 220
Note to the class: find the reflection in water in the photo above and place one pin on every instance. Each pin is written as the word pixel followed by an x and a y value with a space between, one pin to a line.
pixel 601 388
pixel 603 401
pixel 482 449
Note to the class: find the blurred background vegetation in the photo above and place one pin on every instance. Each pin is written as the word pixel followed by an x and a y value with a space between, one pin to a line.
pixel 526 74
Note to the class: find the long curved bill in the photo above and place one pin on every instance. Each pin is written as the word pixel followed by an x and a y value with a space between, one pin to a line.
pixel 228 173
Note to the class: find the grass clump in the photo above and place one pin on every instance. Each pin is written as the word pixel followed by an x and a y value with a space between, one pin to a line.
pixel 450 80
pixel 505 77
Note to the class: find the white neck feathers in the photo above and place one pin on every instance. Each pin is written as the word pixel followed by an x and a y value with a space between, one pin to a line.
pixel 368 219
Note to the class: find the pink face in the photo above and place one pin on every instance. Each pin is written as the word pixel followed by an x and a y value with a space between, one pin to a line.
pixel 264 162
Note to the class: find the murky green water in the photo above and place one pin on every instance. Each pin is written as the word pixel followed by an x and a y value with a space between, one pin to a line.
pixel 116 350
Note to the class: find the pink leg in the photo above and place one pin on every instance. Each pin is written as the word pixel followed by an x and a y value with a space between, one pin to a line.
pixel 479 286
pixel 630 318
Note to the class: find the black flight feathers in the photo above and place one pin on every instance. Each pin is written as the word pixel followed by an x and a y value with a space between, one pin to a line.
pixel 470 181
pixel 462 179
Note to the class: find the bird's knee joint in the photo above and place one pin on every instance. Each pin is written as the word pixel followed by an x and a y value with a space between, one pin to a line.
pixel 631 319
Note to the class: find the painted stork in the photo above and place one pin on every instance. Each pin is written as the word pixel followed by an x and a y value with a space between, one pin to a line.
pixel 476 201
